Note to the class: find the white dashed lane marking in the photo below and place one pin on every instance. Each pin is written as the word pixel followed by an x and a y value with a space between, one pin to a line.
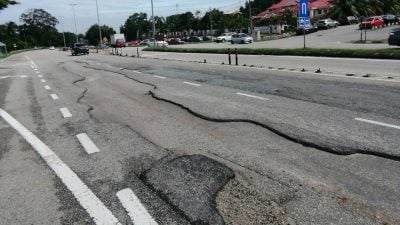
pixel 47 87
pixel 87 144
pixel 43 80
pixel 136 211
pixel 65 112
pixel 378 123
pixel 40 76
pixel 193 84
pixel 252 96
pixel 54 97
pixel 87 199
pixel 160 77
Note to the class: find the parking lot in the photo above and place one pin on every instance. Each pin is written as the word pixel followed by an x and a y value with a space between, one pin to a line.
pixel 340 37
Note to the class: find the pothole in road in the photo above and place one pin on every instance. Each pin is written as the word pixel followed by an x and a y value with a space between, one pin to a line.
pixel 190 184
pixel 239 204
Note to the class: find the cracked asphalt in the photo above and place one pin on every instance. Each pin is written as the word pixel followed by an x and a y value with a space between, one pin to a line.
pixel 197 143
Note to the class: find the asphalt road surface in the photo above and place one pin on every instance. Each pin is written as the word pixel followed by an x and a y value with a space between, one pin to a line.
pixel 103 139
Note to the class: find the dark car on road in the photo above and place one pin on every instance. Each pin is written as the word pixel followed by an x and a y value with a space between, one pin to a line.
pixel 194 39
pixel 394 37
pixel 389 19
pixel 175 41
pixel 308 30
pixel 79 48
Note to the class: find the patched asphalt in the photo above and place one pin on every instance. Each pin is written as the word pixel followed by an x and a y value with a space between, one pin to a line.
pixel 190 183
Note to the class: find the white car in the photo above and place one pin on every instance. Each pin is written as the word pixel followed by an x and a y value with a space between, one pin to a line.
pixel 224 37
pixel 241 39
pixel 52 48
pixel 153 43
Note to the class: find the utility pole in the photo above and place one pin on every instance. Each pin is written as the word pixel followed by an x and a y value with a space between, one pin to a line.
pixel 98 24
pixel 154 23
pixel 76 28
pixel 251 19
pixel 63 32
pixel 211 26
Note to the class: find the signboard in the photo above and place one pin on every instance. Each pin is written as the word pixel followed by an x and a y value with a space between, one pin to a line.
pixel 304 15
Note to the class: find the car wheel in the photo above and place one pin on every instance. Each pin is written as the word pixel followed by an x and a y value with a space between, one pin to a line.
pixel 232 42
pixel 242 41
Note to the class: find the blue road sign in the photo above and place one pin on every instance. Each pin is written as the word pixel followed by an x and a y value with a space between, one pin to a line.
pixel 303 7
pixel 304 16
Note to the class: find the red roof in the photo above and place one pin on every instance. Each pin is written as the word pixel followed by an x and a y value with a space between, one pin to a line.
pixel 292 5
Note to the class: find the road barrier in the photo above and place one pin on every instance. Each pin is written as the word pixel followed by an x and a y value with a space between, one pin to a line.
pixel 236 57
pixel 229 56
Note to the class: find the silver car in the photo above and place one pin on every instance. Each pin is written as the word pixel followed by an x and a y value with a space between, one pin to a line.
pixel 327 24
pixel 241 39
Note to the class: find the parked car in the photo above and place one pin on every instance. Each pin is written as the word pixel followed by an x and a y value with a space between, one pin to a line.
pixel 352 20
pixel 394 37
pixel 156 43
pixel 224 37
pixel 327 24
pixel 308 30
pixel 175 41
pixel 79 48
pixel 194 39
pixel 52 48
pixel 133 43
pixel 145 42
pixel 389 19
pixel 372 22
pixel 241 39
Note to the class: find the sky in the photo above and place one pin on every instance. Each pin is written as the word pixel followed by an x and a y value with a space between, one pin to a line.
pixel 112 12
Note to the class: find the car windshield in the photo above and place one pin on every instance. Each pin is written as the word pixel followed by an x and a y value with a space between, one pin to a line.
pixel 370 19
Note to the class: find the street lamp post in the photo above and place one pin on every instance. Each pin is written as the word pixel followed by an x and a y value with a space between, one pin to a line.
pixel 251 19
pixel 63 31
pixel 98 24
pixel 154 23
pixel 76 28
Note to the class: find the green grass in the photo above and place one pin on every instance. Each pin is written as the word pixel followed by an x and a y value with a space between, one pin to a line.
pixel 392 53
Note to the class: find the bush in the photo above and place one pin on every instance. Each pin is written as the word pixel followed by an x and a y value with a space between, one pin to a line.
pixel 393 53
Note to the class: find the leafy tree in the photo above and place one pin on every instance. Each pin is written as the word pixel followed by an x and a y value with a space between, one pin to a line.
pixel 41 26
pixel 135 26
pixel 5 3
pixel 92 34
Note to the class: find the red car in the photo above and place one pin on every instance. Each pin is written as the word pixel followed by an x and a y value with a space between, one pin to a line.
pixel 133 43
pixel 175 41
pixel 372 22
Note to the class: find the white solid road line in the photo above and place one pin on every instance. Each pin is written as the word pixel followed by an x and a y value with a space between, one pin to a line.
pixel 87 144
pixel 20 76
pixel 193 84
pixel 86 198
pixel 47 87
pixel 378 123
pixel 65 112
pixel 54 97
pixel 43 80
pixel 252 96
pixel 159 77
pixel 137 212
pixel 135 71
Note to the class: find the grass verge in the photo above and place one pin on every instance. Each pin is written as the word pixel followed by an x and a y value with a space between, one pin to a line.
pixel 392 53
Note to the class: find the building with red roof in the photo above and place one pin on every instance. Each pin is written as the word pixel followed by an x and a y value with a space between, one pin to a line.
pixel 318 8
